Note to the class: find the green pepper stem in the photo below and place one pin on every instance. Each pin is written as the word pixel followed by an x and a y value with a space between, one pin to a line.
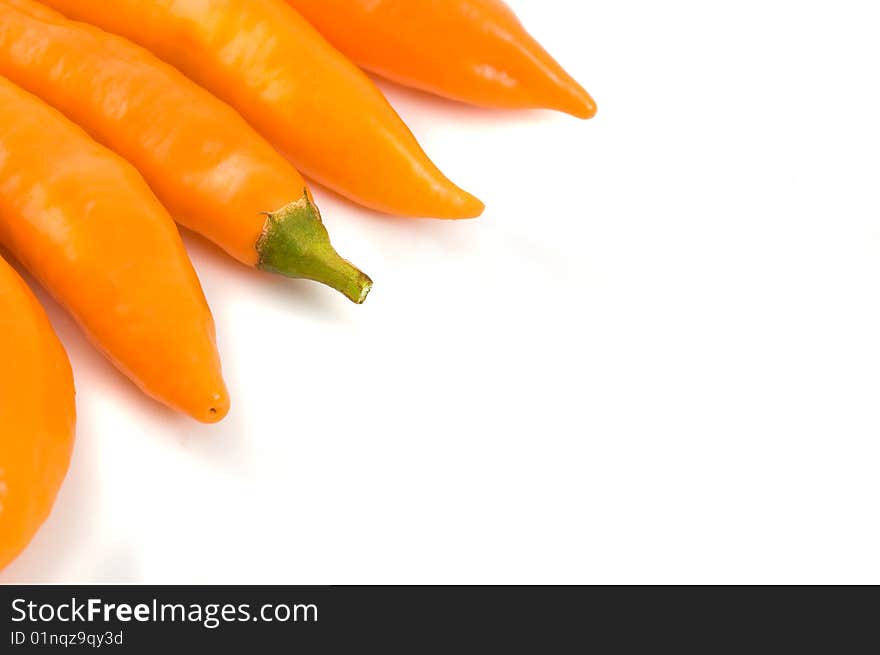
pixel 295 243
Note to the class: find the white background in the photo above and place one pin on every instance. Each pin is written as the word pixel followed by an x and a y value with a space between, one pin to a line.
pixel 655 359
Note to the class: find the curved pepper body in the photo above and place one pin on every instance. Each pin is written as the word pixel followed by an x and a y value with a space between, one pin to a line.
pixel 212 170
pixel 475 51
pixel 301 93
pixel 86 225
pixel 37 415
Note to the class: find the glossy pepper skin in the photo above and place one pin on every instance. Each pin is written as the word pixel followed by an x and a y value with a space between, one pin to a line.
pixel 309 100
pixel 86 225
pixel 37 415
pixel 214 173
pixel 475 51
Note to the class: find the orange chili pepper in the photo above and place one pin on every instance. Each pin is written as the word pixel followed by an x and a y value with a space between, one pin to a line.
pixel 476 51
pixel 85 223
pixel 37 415
pixel 212 170
pixel 317 107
